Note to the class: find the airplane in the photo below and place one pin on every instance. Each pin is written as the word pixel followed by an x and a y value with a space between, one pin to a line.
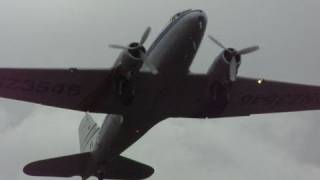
pixel 143 88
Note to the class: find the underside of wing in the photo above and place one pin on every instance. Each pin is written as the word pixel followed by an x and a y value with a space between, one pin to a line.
pixel 254 96
pixel 198 98
pixel 76 89
pixel 64 88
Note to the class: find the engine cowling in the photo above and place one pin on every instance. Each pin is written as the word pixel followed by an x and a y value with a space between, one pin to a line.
pixel 227 71
pixel 133 56
pixel 130 60
pixel 225 67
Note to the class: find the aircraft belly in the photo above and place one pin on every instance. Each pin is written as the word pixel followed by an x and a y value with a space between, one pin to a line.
pixel 128 132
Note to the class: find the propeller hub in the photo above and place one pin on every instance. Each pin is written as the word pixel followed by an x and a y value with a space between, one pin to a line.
pixel 230 54
pixel 136 50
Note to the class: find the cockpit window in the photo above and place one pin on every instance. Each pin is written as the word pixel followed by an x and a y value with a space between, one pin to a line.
pixel 176 16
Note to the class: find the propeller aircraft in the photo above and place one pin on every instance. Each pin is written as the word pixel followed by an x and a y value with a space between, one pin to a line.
pixel 143 88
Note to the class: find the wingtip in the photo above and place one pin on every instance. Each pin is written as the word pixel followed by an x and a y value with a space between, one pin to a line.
pixel 29 170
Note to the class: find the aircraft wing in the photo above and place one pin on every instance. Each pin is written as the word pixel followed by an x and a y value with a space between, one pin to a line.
pixel 246 96
pixel 253 96
pixel 91 90
pixel 74 89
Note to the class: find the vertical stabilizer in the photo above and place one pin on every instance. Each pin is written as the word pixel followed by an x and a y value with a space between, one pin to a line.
pixel 88 134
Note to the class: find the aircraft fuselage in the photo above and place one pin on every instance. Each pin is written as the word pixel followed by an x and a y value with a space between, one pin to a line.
pixel 174 49
pixel 172 54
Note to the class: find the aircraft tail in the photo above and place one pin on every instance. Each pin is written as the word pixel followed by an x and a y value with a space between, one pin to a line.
pixel 88 131
pixel 84 165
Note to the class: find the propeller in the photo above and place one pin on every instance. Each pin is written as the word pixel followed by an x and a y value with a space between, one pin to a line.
pixel 233 70
pixel 140 44
pixel 140 48
pixel 234 53
pixel 217 42
pixel 248 50
pixel 145 35
pixel 240 52
pixel 151 67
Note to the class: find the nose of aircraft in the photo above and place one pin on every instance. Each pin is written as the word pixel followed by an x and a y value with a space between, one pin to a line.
pixel 200 18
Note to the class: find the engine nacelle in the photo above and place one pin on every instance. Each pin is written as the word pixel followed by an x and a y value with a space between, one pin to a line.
pixel 220 78
pixel 225 66
pixel 127 65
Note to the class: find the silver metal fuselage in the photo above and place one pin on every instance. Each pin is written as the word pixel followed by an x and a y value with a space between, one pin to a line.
pixel 174 49
pixel 172 54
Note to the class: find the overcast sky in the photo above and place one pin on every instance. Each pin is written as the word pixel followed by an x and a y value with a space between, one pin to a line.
pixel 60 33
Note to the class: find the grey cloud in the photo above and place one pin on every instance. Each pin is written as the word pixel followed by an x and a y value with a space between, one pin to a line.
pixel 12 114
pixel 298 136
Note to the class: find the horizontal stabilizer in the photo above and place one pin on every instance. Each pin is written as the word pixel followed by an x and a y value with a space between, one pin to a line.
pixel 124 168
pixel 83 165
pixel 66 166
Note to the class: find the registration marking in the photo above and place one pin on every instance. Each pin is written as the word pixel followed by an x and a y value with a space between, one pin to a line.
pixel 40 86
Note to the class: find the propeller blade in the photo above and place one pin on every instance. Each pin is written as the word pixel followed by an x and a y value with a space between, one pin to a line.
pixel 142 41
pixel 115 46
pixel 145 35
pixel 233 70
pixel 248 50
pixel 217 42
pixel 149 65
